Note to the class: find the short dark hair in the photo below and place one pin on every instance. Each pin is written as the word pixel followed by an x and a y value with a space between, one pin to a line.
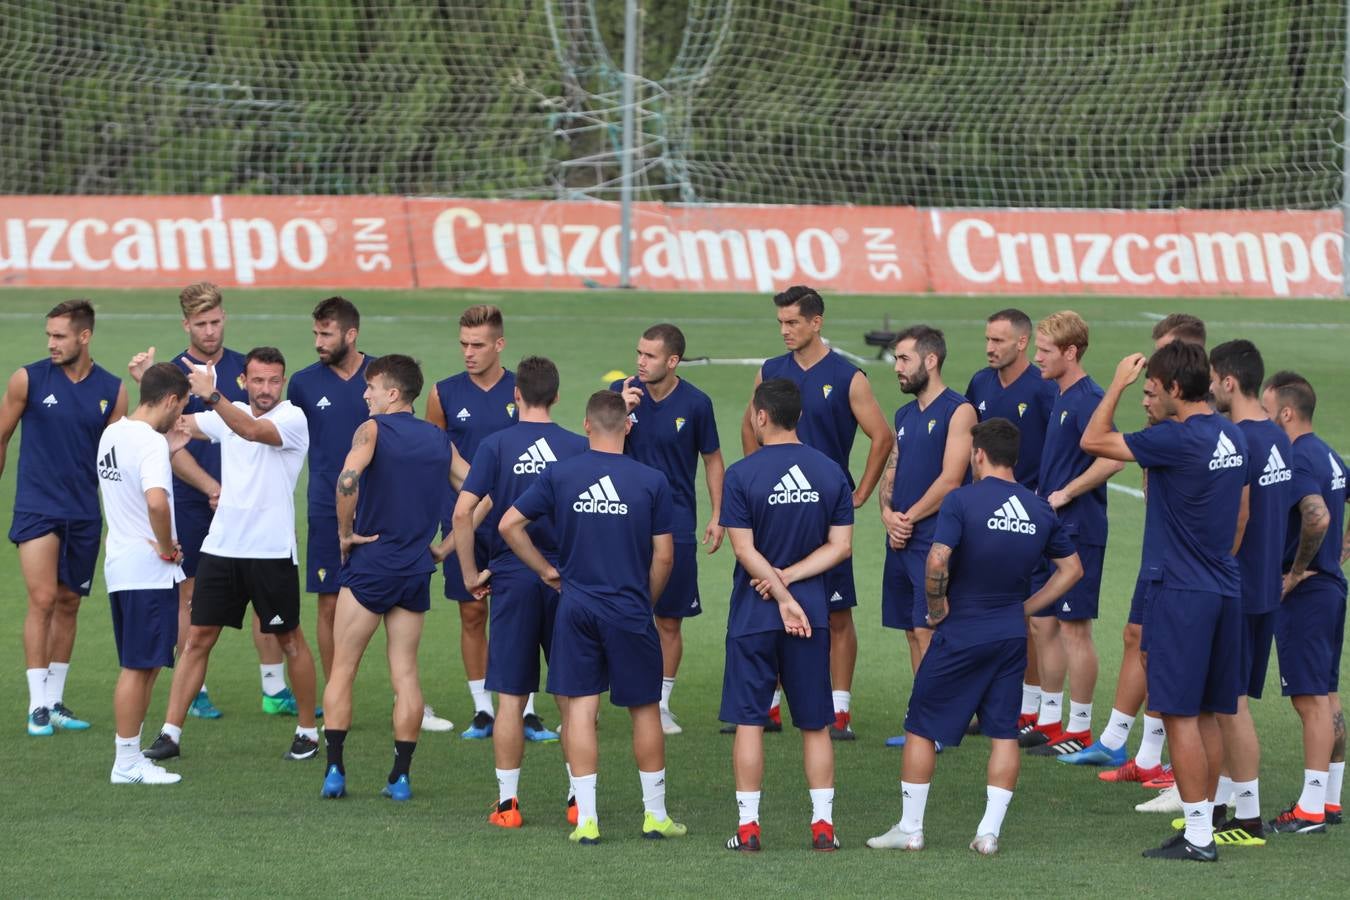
pixel 537 380
pixel 162 380
pixel 1242 361
pixel 80 312
pixel 606 411
pixel 671 337
pixel 1183 364
pixel 804 298
pixel 781 399
pixel 926 340
pixel 401 371
pixel 267 355
pixel 1019 320
pixel 1294 391
pixel 340 310
pixel 999 439
pixel 1185 326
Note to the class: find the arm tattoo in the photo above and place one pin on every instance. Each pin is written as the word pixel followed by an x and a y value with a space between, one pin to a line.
pixel 348 482
pixel 937 579
pixel 361 437
pixel 1314 528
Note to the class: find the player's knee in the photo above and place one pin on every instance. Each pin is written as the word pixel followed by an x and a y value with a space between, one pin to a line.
pixel 473 614
pixel 201 638
pixel 1130 635
pixel 42 600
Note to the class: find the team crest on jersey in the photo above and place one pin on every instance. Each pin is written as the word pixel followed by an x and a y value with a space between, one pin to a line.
pixel 239 380
pixel 900 435
pixel 1063 414
pixel 632 417
pixel 827 389
pixel 1021 410
pixel 982 409
pixel 103 406
pixel 679 423
pixel 323 574
pixel 932 423
pixel 511 410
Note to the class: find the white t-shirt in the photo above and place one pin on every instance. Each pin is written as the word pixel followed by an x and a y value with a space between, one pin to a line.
pixel 255 516
pixel 132 459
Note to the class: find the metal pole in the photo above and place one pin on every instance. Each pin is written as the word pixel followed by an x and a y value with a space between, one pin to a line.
pixel 630 46
pixel 1345 163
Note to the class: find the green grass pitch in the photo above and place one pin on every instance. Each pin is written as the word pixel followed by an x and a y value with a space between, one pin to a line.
pixel 245 822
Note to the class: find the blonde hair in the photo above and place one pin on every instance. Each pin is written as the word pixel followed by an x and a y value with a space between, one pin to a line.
pixel 198 298
pixel 1067 329
pixel 482 314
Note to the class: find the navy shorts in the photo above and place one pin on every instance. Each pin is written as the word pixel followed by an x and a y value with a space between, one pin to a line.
pixel 841 592
pixel 191 521
pixel 680 599
pixel 1309 630
pixel 225 587
pixel 755 665
pixel 954 683
pixel 595 656
pixel 901 587
pixel 381 593
pixel 323 556
pixel 77 554
pixel 1193 648
pixel 520 625
pixel 1083 599
pixel 145 627
pixel 454 574
pixel 1258 629
pixel 1139 602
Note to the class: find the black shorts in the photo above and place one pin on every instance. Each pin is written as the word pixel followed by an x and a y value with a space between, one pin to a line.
pixel 225 587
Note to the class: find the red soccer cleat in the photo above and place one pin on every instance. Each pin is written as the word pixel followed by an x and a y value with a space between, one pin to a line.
pixel 1130 772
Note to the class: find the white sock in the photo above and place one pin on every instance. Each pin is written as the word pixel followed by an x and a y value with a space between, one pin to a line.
pixel 128 751
pixel 1248 799
pixel 747 805
pixel 1313 800
pixel 311 733
pixel 654 793
pixel 1080 716
pixel 1052 708
pixel 203 690
pixel 667 686
pixel 584 785
pixel 508 784
pixel 1031 699
pixel 1150 748
pixel 273 678
pixel 1334 780
pixel 777 698
pixel 822 804
pixel 37 688
pixel 529 706
pixel 995 808
pixel 1223 795
pixel 842 699
pixel 1199 822
pixel 1117 731
pixel 913 800
pixel 56 683
pixel 175 732
pixel 482 700
pixel 571 783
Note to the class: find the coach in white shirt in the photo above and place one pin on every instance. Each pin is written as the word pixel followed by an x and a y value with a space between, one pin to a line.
pixel 249 555
pixel 141 562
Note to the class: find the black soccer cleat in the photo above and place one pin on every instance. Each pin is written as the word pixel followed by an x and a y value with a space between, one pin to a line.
pixel 1177 847
pixel 1290 822
pixel 302 748
pixel 164 747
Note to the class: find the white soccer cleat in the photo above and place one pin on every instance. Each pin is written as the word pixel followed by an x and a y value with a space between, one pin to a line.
pixel 433 722
pixel 897 839
pixel 668 723
pixel 144 772
pixel 1167 801
pixel 985 844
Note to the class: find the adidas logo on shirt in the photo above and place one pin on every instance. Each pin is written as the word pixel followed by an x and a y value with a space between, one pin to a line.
pixel 107 466
pixel 276 620
pixel 982 409
pixel 793 488
pixel 462 414
pixel 1337 474
pixel 1012 516
pixel 323 403
pixel 49 400
pixel 1226 456
pixel 535 459
pixel 601 498
pixel 1275 470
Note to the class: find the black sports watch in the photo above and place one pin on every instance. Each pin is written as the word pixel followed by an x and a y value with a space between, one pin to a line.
pixel 213 399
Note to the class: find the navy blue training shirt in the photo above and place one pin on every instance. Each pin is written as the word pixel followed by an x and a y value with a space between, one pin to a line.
pixel 334 408
pixel 1026 403
pixel 1063 460
pixel 1317 470
pixel 921 439
pixel 827 421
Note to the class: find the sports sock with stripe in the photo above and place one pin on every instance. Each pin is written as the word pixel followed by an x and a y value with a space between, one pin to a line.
pixel 996 804
pixel 334 739
pixel 654 793
pixel 403 754
pixel 482 699
pixel 584 785
pixel 1150 747
pixel 1031 699
pixel 747 806
pixel 508 784
pixel 1117 731
pixel 1335 778
pixel 913 801
pixel 37 688
pixel 822 805
pixel 1052 709
pixel 56 683
pixel 1314 797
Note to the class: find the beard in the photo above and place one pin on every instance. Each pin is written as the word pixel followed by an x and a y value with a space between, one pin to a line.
pixel 916 384
pixel 338 356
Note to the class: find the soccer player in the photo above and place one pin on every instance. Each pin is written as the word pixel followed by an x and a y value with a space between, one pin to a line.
pixel 1310 620
pixel 249 554
pixel 468 407
pixel 386 518
pixel 1198 474
pixel 836 402
pixel 789 514
pixel 65 402
pixel 141 566
pixel 612 519
pixel 523 607
pixel 672 427
pixel 990 537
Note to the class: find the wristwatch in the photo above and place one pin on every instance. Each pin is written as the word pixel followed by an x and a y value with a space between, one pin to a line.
pixel 213 399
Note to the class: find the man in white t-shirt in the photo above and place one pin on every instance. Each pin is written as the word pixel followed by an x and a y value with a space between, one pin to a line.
pixel 249 555
pixel 141 565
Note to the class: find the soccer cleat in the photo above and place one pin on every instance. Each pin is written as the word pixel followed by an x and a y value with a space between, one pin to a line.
pixel 974 727
pixel 654 829
pixel 480 728
pixel 587 832
pixel 823 837
pixel 144 772
pixel 1177 847
pixel 1295 821
pixel 1167 801
pixel 400 789
pixel 302 748
pixel 1333 814
pixel 40 722
pixel 506 814
pixel 842 730
pixel 1164 779
pixel 897 740
pixel 66 720
pixel 1096 755
pixel 897 839
pixel 1069 742
pixel 433 722
pixel 1038 736
pixel 164 747
pixel 203 708
pixel 668 723
pixel 746 838
pixel 985 844
pixel 775 719
pixel 1026 722
pixel 282 703
pixel 536 731
pixel 572 811
pixel 1240 833
pixel 1130 771
pixel 334 784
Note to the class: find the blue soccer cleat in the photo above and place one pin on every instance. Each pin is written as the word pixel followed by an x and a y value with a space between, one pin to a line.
pixel 40 722
pixel 899 741
pixel 480 728
pixel 1095 754
pixel 400 790
pixel 203 708
pixel 66 720
pixel 536 731
pixel 282 703
pixel 334 784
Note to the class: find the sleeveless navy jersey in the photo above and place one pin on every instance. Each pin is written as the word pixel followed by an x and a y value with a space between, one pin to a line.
pixel 1026 403
pixel 921 440
pixel 1262 546
pixel 334 408
pixel 827 421
pixel 394 501
pixel 1063 460
pixel 471 414
pixel 1317 470
pixel 58 453
pixel 230 383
